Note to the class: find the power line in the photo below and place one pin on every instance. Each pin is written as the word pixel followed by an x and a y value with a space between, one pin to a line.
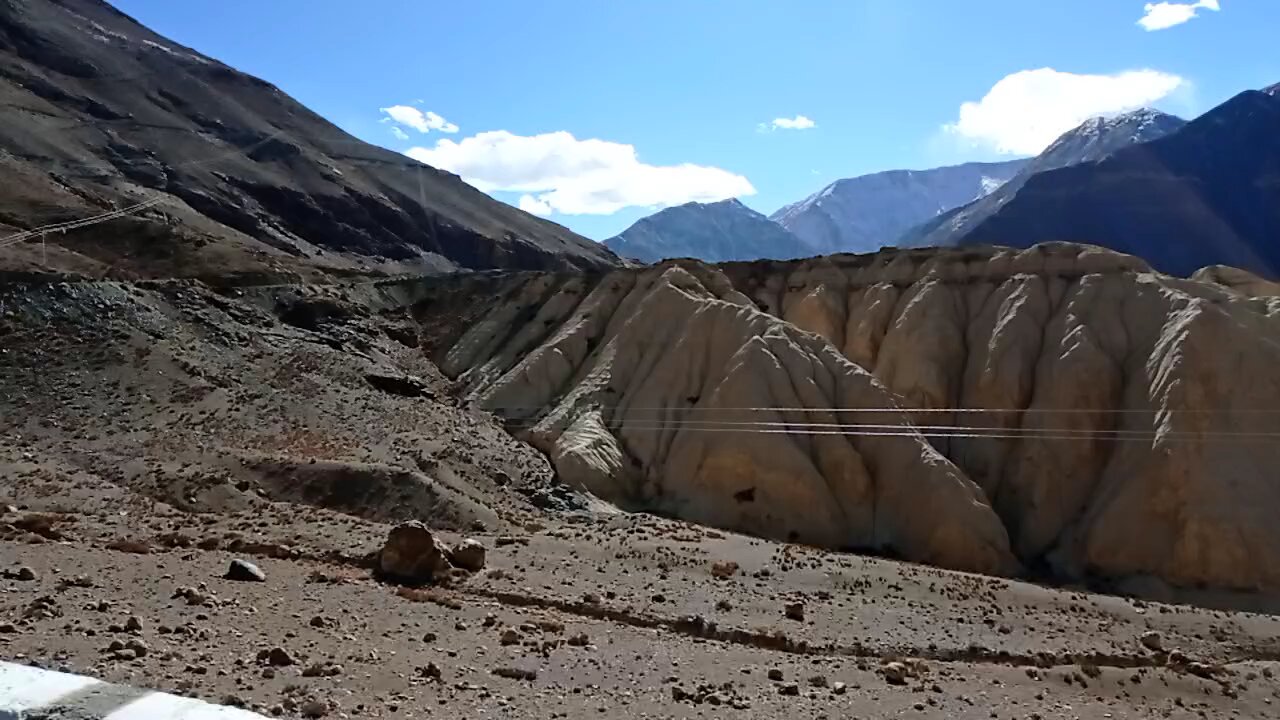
pixel 910 411
pixel 959 431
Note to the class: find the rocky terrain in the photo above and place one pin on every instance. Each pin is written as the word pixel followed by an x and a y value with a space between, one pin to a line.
pixel 863 214
pixel 153 434
pixel 991 410
pixel 714 232
pixel 1204 194
pixel 225 176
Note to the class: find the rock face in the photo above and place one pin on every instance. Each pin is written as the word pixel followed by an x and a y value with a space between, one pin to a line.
pixel 100 113
pixel 411 554
pixel 864 213
pixel 1094 140
pixel 715 232
pixel 1202 195
pixel 1108 423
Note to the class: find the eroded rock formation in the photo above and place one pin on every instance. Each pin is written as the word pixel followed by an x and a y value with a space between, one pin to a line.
pixel 1061 408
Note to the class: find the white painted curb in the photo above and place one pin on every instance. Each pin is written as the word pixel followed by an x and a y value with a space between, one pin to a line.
pixel 28 693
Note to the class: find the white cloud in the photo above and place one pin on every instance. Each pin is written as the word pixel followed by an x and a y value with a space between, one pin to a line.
pixel 1026 111
pixel 1164 15
pixel 533 205
pixel 799 122
pixel 418 120
pixel 561 173
pixel 400 134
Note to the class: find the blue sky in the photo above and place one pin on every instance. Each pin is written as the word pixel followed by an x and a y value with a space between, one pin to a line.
pixel 596 112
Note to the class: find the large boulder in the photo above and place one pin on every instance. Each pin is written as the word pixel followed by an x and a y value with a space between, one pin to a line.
pixel 411 554
pixel 468 555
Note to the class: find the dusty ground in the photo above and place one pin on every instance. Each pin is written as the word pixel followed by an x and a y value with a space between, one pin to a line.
pixel 150 435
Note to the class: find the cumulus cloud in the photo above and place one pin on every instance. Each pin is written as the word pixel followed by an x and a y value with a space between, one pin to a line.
pixel 1164 15
pixel 1026 111
pixel 560 173
pixel 533 205
pixel 400 134
pixel 799 122
pixel 418 120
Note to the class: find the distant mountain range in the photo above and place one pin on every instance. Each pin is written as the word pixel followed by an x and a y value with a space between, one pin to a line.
pixel 1205 194
pixel 1093 140
pixel 1180 195
pixel 862 214
pixel 715 232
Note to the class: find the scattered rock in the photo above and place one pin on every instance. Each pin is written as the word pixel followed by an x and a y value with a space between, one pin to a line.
pixel 468 555
pixel 579 640
pixel 514 673
pixel 895 673
pixel 245 571
pixel 724 570
pixel 789 689
pixel 794 611
pixel 411 554
pixel 22 574
pixel 818 681
pixel 278 656
pixel 1151 640
pixel 313 708
pixel 431 671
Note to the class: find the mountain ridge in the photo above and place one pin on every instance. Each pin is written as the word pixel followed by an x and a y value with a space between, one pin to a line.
pixel 716 232
pixel 100 113
pixel 1092 140
pixel 864 213
pixel 1203 195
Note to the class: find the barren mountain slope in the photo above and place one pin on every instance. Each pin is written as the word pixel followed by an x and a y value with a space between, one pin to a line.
pixel 98 113
pixel 1116 433
pixel 152 433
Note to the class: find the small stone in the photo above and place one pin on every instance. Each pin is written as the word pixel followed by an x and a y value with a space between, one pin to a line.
pixel 279 656
pixel 775 674
pixel 133 624
pixel 313 708
pixel 429 637
pixel 138 647
pixel 579 640
pixel 516 673
pixel 245 571
pixel 838 688
pixel 724 605
pixel 8 628
pixel 431 671
pixel 794 611
pixel 1151 640
pixel 591 598
pixel 789 689
pixel 818 681
pixel 24 574
pixel 511 636
pixel 895 673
